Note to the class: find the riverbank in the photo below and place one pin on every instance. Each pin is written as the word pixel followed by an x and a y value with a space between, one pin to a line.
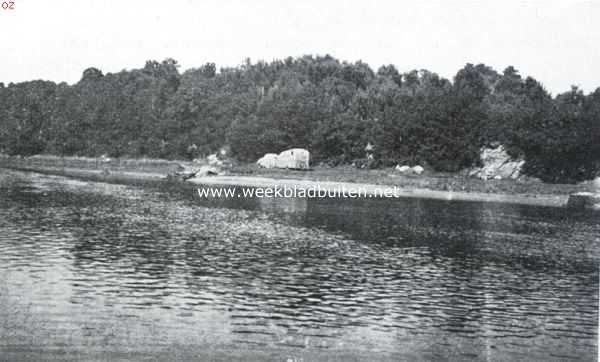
pixel 372 182
pixel 371 190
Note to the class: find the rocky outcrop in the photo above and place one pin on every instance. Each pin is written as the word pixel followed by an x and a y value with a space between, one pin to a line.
pixel 497 164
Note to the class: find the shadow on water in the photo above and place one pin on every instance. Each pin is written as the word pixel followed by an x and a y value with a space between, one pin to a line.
pixel 410 276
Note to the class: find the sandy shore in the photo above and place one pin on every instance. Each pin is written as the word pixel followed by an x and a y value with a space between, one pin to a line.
pixel 370 190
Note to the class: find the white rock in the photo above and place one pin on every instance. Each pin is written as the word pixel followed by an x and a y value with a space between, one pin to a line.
pixel 403 169
pixel 269 160
pixel 295 158
pixel 418 169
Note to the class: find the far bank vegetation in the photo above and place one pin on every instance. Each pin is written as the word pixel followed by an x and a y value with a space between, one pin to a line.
pixel 327 106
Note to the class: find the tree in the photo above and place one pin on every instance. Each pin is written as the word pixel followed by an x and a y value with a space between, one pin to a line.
pixel 333 108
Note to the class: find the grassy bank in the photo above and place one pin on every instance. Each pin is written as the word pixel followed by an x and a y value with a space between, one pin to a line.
pixel 437 181
pixel 144 165
pixel 435 185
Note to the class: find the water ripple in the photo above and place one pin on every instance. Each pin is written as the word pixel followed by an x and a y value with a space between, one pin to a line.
pixel 93 265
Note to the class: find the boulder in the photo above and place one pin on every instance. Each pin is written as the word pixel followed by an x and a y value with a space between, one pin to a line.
pixel 403 168
pixel 295 158
pixel 269 160
pixel 418 169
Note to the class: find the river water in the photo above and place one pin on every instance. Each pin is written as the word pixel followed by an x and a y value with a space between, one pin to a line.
pixel 100 271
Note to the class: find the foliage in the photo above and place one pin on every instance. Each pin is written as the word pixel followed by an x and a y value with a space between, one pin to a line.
pixel 331 107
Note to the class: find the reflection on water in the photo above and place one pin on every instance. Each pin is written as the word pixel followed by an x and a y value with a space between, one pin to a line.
pixel 92 266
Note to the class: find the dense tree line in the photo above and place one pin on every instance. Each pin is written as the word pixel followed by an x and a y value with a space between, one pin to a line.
pixel 330 107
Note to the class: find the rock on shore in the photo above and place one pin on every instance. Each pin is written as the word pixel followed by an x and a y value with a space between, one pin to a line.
pixel 584 200
pixel 497 164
